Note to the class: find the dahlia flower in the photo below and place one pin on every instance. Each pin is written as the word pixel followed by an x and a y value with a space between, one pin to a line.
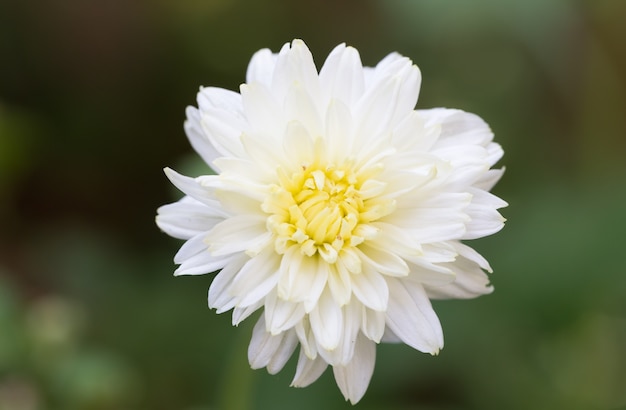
pixel 336 209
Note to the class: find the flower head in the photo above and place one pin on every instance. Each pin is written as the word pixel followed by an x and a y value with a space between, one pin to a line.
pixel 336 208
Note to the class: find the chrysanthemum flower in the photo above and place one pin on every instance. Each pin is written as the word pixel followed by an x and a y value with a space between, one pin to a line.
pixel 336 208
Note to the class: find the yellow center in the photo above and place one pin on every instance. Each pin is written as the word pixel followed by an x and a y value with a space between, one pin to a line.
pixel 324 209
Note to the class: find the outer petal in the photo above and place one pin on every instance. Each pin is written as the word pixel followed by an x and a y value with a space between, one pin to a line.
pixel 261 67
pixel 389 98
pixel 186 218
pixel 295 65
pixel 489 179
pixel 193 188
pixel 308 370
pixel 222 119
pixel 269 350
pixel 195 259
pixel 220 297
pixel 485 219
pixel 471 281
pixel 411 317
pixel 341 76
pixel 197 137
pixel 458 127
pixel 439 218
pixel 354 377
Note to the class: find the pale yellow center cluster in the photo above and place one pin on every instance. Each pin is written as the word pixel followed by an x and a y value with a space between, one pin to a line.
pixel 324 209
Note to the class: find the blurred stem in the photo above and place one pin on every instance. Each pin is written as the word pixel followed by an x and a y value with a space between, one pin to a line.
pixel 238 381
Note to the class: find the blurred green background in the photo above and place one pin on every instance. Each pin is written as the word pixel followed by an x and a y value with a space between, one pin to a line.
pixel 92 99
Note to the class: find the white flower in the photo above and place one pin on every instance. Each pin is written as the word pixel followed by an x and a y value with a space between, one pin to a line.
pixel 336 208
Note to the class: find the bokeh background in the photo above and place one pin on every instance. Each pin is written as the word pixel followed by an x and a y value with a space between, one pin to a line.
pixel 92 99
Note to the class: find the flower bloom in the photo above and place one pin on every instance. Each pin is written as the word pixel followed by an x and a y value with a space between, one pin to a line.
pixel 336 208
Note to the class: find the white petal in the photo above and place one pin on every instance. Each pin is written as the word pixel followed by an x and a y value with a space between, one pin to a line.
pixel 354 377
pixel 494 153
pixel 468 163
pixel 197 137
pixel 284 352
pixel 281 315
pixel 195 259
pixel 238 233
pixel 425 272
pixel 307 338
pixel 295 65
pixel 390 337
pixel 308 370
pixel 238 172
pixel 373 324
pixel 256 278
pixel 190 248
pixel 241 313
pixel 411 317
pixel 263 153
pixel 383 261
pixel 485 219
pixel 489 179
pixel 186 218
pixel 412 135
pixel 298 144
pixel 222 119
pixel 219 98
pixel 263 111
pixel 194 189
pixel 300 106
pixel 240 197
pixel 338 130
pixel 436 219
pixel 351 323
pixel 371 289
pixel 339 283
pixel 202 264
pixel 471 281
pixel 390 97
pixel 269 350
pixel 470 254
pixel 344 351
pixel 302 278
pixel 220 297
pixel 262 345
pixel 375 111
pixel 458 127
pixel 261 67
pixel 327 322
pixel 341 76
pixel 392 237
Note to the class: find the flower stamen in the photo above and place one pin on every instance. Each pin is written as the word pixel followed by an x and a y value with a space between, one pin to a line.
pixel 325 209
